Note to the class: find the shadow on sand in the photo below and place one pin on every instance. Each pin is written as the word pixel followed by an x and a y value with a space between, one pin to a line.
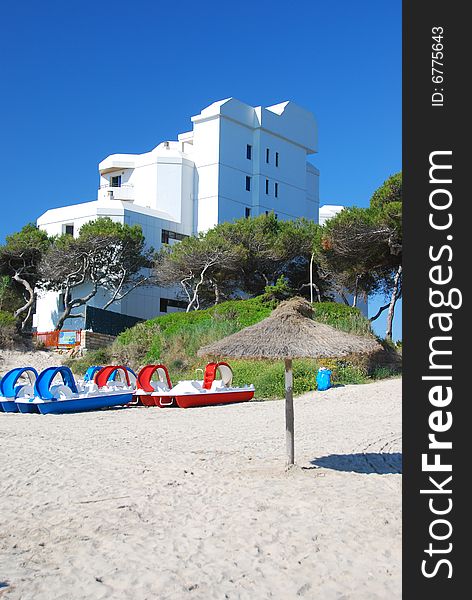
pixel 382 463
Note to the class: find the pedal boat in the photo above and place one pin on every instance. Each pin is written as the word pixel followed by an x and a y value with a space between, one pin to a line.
pixel 149 391
pixel 69 397
pixel 12 393
pixel 210 391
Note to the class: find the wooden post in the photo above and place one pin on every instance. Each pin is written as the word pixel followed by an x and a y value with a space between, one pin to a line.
pixel 289 423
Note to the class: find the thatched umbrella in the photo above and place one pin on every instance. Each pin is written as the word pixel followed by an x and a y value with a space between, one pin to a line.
pixel 288 333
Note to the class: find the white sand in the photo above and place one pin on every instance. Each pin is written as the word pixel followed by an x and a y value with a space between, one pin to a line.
pixel 174 504
pixel 39 359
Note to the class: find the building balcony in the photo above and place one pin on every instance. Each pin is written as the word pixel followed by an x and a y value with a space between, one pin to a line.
pixel 124 192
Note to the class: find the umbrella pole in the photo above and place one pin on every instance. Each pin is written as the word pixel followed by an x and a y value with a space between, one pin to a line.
pixel 289 426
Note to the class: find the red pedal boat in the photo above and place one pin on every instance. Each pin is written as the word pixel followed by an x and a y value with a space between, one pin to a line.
pixel 211 390
pixel 148 389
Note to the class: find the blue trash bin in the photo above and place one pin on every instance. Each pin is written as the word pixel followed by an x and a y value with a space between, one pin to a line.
pixel 323 379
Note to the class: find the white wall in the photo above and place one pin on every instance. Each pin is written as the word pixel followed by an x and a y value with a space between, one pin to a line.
pixel 194 183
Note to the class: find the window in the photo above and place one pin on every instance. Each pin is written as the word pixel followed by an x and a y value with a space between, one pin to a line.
pixel 276 190
pixel 267 186
pixel 247 212
pixel 69 230
pixel 276 159
pixel 249 152
pixel 267 212
pixel 248 183
pixel 267 155
pixel 166 303
pixel 115 181
pixel 166 236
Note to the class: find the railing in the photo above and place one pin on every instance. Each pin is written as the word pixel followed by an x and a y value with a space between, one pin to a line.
pixel 122 192
pixel 66 338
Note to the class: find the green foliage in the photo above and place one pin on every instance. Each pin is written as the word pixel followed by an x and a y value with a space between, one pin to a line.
pixel 6 318
pixel 342 317
pixel 28 239
pixel 246 255
pixel 390 191
pixel 279 291
pixel 20 258
pixel 8 333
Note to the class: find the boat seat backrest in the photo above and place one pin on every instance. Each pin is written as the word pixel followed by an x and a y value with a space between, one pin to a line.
pixel 61 390
pixel 218 383
pixel 22 391
pixel 160 386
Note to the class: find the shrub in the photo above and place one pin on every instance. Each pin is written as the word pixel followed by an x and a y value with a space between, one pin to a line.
pixel 6 319
pixel 342 317
pixel 8 336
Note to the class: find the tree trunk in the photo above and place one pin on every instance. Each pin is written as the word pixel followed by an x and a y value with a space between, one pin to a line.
pixel 63 317
pixel 345 300
pixel 354 296
pixel 311 278
pixel 29 303
pixel 70 304
pixel 289 419
pixel 217 293
pixel 393 301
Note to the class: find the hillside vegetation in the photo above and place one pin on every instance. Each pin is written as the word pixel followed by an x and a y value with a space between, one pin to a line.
pixel 174 340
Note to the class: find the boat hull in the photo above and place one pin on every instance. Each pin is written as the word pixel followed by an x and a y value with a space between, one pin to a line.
pixel 211 399
pixel 150 400
pixel 146 400
pixel 58 407
pixel 9 406
pixel 27 408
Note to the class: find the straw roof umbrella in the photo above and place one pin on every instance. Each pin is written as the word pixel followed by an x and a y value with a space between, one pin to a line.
pixel 288 333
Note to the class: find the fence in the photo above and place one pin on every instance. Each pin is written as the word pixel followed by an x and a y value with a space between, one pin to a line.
pixel 59 339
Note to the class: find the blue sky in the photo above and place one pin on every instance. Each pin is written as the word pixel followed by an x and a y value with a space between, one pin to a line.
pixel 84 80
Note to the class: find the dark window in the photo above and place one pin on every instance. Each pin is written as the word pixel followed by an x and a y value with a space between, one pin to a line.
pixel 267 155
pixel 267 212
pixel 276 159
pixel 248 212
pixel 276 190
pixel 248 183
pixel 69 230
pixel 248 152
pixel 267 186
pixel 276 216
pixel 115 181
pixel 171 235
pixel 166 303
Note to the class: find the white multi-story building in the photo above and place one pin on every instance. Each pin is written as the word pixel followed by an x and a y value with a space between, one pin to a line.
pixel 238 161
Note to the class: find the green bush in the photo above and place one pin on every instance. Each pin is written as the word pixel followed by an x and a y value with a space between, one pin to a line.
pixel 6 318
pixel 342 317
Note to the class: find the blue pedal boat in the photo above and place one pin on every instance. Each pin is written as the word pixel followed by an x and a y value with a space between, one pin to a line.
pixel 14 395
pixel 100 392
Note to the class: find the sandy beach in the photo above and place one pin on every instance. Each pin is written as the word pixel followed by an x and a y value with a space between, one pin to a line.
pixel 168 504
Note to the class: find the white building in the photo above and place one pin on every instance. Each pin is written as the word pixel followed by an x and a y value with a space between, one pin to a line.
pixel 328 211
pixel 238 161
